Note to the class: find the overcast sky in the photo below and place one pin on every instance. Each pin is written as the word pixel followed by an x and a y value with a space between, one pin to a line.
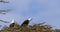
pixel 40 10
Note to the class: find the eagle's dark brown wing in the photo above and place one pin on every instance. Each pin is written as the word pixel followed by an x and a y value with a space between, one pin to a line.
pixel 25 23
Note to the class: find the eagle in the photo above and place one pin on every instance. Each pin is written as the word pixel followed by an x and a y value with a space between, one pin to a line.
pixel 26 22
pixel 12 23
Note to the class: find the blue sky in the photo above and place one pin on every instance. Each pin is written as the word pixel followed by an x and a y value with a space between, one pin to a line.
pixel 40 10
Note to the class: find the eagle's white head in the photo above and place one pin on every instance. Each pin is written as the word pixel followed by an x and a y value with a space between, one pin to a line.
pixel 29 19
pixel 13 21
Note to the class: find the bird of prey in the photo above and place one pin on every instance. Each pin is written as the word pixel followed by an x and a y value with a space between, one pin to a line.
pixel 12 23
pixel 26 22
pixel 3 1
pixel 4 11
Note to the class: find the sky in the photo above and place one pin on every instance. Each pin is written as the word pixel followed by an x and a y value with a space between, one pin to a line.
pixel 40 10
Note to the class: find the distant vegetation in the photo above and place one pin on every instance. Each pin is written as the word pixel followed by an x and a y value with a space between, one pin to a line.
pixel 34 28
